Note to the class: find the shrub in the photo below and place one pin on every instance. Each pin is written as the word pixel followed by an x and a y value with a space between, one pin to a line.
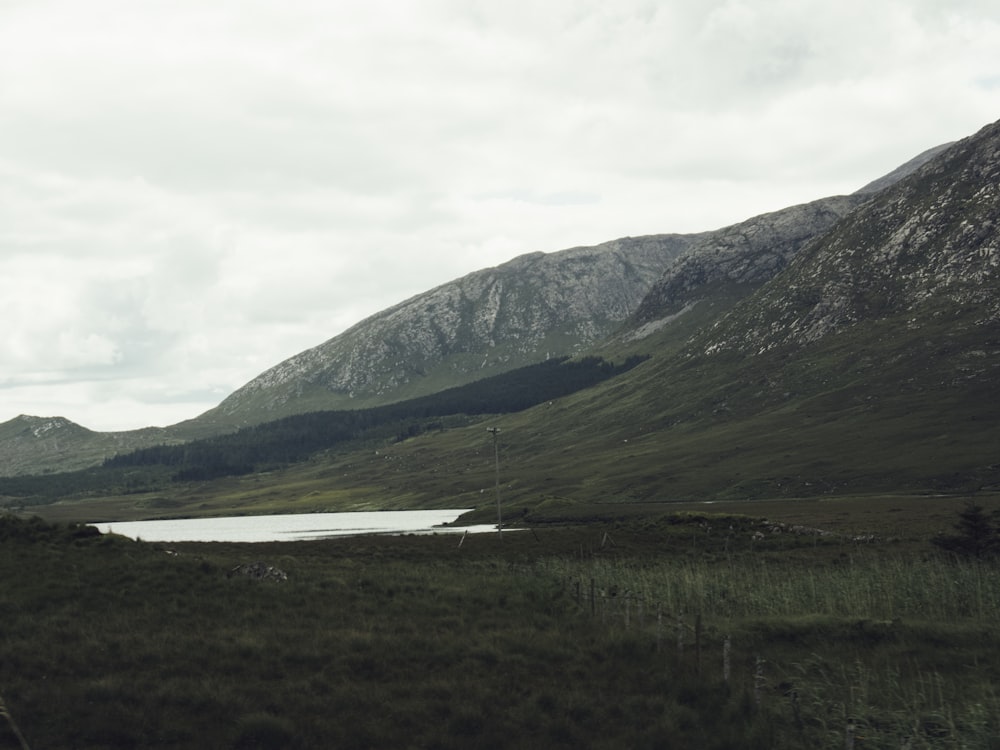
pixel 978 535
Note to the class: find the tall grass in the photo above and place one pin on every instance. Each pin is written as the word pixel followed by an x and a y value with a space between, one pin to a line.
pixel 858 652
pixel 860 586
pixel 413 642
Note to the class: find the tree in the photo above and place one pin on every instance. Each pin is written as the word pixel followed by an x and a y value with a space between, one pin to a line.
pixel 978 535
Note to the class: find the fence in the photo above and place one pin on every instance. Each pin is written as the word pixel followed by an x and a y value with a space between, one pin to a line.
pixel 695 649
pixel 636 613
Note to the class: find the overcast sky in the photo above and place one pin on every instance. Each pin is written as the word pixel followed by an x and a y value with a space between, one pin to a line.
pixel 192 191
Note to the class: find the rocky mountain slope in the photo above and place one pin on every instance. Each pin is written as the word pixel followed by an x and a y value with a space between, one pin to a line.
pixel 744 255
pixel 903 170
pixel 870 364
pixel 927 249
pixel 527 310
pixel 536 306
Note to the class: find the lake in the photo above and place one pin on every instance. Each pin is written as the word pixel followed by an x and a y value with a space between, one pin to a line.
pixel 293 527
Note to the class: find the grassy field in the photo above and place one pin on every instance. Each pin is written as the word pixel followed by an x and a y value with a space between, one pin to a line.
pixel 603 626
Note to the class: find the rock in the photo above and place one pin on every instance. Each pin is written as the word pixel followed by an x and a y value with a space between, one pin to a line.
pixel 258 571
pixel 744 255
pixel 929 243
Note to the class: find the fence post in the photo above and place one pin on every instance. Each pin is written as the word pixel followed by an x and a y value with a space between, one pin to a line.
pixel 726 648
pixel 758 680
pixel 659 628
pixel 697 644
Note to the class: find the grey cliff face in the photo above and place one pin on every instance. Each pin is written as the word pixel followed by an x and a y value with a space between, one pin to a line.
pixel 928 243
pixel 533 307
pixel 745 254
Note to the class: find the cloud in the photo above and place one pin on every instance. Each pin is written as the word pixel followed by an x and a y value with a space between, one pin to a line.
pixel 191 192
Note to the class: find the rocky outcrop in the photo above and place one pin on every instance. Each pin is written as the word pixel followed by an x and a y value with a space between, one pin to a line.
pixel 927 245
pixel 258 571
pixel 745 255
pixel 534 307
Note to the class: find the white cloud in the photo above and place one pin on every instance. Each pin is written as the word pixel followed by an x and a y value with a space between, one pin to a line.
pixel 190 192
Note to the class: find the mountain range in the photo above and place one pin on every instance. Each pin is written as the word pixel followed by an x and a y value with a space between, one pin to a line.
pixel 846 344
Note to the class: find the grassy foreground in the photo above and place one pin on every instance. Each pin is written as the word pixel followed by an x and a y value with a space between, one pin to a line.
pixel 680 630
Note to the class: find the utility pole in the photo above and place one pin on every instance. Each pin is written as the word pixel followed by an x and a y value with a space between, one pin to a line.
pixel 496 459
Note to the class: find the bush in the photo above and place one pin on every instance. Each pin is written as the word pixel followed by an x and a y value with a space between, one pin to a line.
pixel 978 535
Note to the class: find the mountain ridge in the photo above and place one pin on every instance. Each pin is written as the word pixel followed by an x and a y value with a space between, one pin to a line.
pixel 745 254
pixel 534 306
pixel 40 445
pixel 928 251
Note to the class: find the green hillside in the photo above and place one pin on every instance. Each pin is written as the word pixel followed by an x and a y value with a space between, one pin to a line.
pixel 294 439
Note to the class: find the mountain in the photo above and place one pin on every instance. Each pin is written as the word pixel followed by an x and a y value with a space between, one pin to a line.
pixel 533 308
pixel 869 363
pixel 740 257
pixel 925 256
pixel 40 445
pixel 730 263
pixel 530 309
pixel 903 170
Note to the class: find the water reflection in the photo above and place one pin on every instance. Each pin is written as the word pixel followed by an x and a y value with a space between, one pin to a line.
pixel 294 527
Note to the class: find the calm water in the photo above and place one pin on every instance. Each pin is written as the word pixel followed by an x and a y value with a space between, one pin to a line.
pixel 288 528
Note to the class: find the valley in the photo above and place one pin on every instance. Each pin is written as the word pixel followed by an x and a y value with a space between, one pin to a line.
pixel 759 496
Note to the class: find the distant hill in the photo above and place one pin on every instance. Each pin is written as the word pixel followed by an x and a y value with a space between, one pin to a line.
pixel 39 445
pixel 297 438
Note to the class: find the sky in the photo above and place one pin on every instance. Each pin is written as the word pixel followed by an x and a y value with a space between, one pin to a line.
pixel 192 192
